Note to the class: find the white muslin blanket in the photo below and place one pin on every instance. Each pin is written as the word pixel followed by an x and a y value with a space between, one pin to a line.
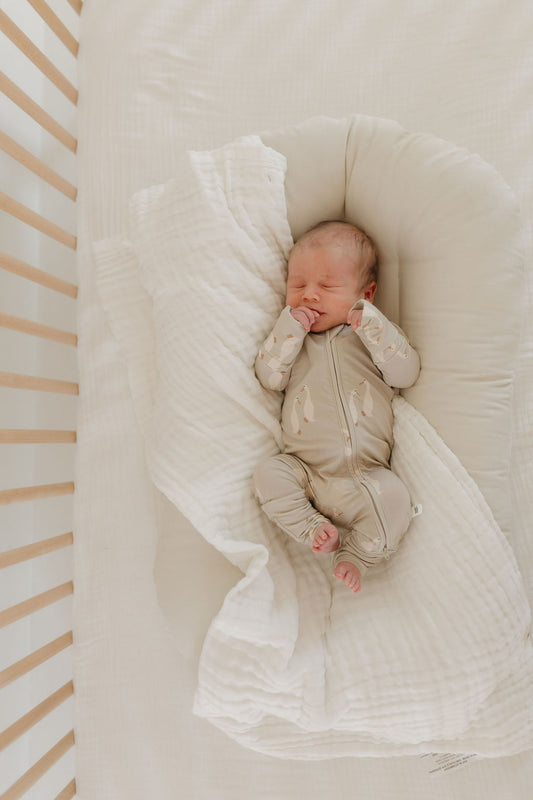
pixel 434 653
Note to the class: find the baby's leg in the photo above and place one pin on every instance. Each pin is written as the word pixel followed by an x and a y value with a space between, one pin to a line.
pixel 383 517
pixel 282 486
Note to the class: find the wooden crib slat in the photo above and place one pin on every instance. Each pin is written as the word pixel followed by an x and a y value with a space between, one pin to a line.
pixel 68 792
pixel 25 493
pixel 21 325
pixel 33 49
pixel 35 659
pixel 15 436
pixel 28 160
pixel 39 769
pixel 55 24
pixel 13 380
pixel 23 101
pixel 25 214
pixel 24 270
pixel 33 604
pixel 77 5
pixel 19 554
pixel 37 57
pixel 25 723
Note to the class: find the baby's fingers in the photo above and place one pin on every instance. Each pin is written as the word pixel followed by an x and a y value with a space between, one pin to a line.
pixel 354 318
pixel 300 315
pixel 305 316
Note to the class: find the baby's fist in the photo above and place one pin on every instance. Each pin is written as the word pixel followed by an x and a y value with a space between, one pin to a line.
pixel 354 318
pixel 305 316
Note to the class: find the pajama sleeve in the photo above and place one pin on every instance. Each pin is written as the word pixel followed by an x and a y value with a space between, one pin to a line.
pixel 388 346
pixel 279 350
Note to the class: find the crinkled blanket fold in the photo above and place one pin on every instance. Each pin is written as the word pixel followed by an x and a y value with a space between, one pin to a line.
pixel 434 653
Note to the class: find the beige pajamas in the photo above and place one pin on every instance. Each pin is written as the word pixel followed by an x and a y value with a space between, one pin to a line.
pixel 337 432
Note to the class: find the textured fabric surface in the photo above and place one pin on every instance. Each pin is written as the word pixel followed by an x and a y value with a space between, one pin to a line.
pixel 435 652
pixel 155 80
pixel 447 228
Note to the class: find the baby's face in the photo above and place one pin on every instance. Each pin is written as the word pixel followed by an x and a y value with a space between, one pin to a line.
pixel 326 280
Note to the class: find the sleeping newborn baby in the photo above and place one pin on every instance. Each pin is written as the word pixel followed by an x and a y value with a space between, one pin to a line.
pixel 337 358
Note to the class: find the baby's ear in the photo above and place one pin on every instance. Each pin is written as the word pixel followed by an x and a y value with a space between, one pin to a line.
pixel 370 291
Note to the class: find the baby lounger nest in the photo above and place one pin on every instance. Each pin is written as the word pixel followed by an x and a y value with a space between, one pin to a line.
pixel 434 654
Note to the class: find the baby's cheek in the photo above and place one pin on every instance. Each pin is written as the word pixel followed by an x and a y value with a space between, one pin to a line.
pixel 292 300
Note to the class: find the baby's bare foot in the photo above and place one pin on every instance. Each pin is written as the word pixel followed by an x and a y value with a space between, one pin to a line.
pixel 348 574
pixel 326 538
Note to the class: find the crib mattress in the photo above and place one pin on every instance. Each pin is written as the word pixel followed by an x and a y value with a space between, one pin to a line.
pixel 156 79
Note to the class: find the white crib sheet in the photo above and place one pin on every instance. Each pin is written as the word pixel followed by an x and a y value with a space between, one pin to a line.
pixel 156 79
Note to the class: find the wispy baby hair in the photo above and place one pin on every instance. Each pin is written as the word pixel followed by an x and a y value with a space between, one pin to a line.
pixel 343 234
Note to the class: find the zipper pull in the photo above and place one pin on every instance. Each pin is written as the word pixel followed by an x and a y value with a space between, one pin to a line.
pixel 416 510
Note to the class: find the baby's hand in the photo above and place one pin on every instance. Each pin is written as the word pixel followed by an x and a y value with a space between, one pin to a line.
pixel 305 316
pixel 354 318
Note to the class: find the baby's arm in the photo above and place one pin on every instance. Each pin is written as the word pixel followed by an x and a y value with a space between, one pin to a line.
pixel 387 344
pixel 278 353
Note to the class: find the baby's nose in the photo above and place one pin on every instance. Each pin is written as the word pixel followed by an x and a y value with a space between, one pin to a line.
pixel 310 293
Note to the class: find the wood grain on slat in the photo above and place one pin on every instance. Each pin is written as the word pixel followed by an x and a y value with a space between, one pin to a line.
pixel 68 792
pixel 23 101
pixel 77 5
pixel 26 723
pixel 39 769
pixel 49 281
pixel 19 554
pixel 29 217
pixel 33 604
pixel 16 436
pixel 21 325
pixel 14 380
pixel 55 24
pixel 35 659
pixel 38 167
pixel 26 493
pixel 37 57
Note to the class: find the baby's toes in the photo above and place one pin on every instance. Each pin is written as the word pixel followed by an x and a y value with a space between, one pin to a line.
pixel 326 539
pixel 349 575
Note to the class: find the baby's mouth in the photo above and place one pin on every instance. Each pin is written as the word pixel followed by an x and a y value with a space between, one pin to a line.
pixel 317 319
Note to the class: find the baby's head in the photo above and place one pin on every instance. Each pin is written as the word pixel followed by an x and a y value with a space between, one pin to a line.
pixel 330 267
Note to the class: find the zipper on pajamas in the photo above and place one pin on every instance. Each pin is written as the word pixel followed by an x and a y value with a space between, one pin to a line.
pixel 352 461
pixel 377 512
pixel 341 406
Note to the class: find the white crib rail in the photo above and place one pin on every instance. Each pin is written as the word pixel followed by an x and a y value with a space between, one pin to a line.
pixel 37 363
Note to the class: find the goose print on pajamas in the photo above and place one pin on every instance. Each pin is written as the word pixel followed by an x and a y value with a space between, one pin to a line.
pixel 302 410
pixel 276 362
pixel 373 329
pixel 365 401
pixel 372 326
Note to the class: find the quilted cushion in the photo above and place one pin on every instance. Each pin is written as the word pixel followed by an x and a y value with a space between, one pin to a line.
pixel 450 241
